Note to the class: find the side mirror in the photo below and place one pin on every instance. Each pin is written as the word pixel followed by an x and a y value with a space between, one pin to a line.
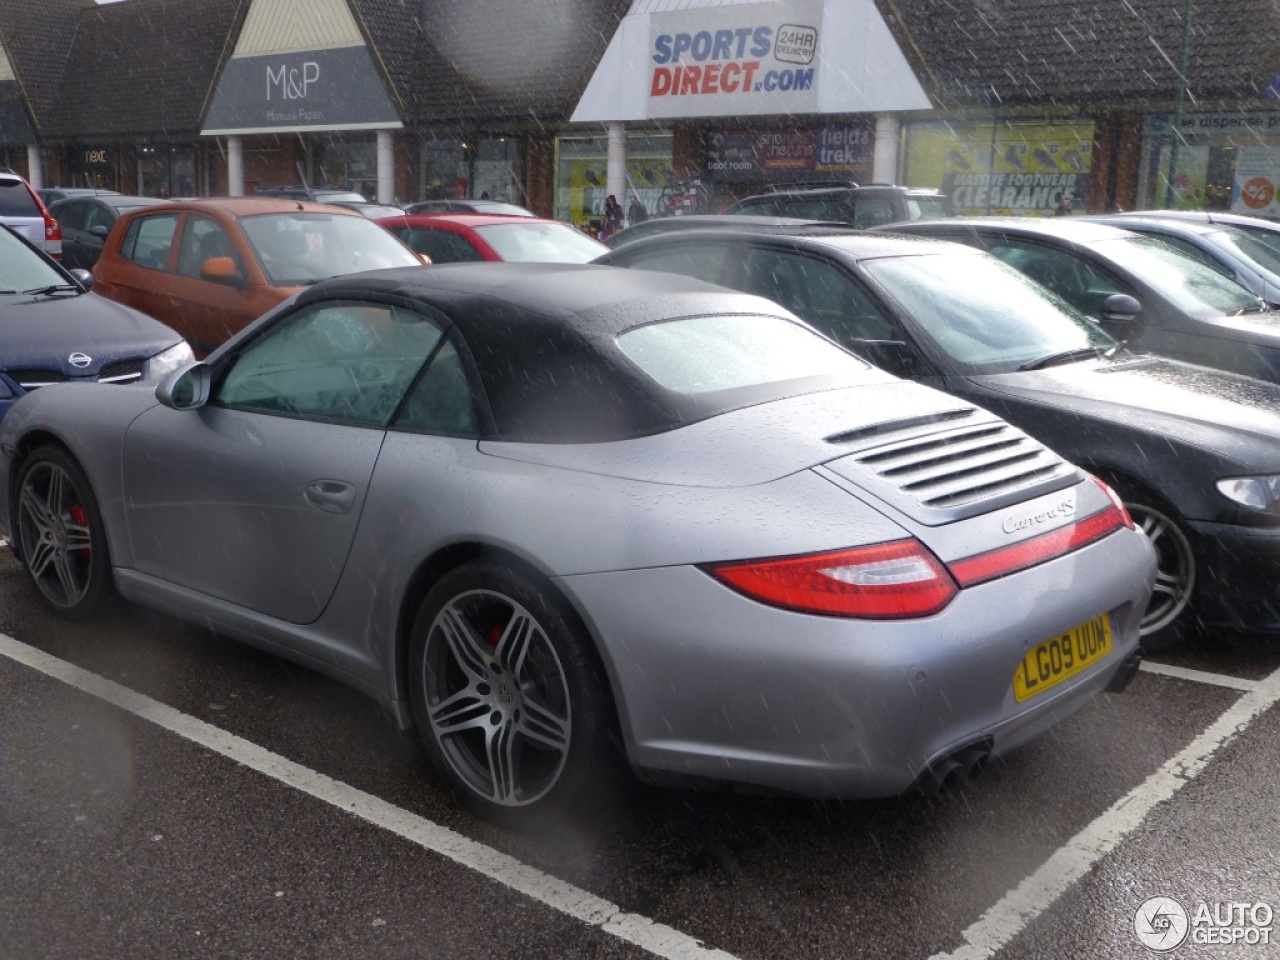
pixel 99 231
pixel 221 270
pixel 82 277
pixel 1120 308
pixel 186 388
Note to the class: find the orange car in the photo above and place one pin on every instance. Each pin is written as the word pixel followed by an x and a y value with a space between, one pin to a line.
pixel 209 267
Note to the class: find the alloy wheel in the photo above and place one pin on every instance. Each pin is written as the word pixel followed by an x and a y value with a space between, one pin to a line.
pixel 497 698
pixel 54 535
pixel 1175 568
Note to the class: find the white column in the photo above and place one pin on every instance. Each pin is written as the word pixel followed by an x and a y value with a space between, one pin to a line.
pixel 35 167
pixel 616 163
pixel 235 167
pixel 386 166
pixel 884 167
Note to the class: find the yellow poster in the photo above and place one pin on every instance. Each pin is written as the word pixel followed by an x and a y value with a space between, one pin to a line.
pixel 1004 168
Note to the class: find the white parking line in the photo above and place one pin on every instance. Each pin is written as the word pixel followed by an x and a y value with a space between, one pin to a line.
pixel 1034 895
pixel 656 938
pixel 1199 676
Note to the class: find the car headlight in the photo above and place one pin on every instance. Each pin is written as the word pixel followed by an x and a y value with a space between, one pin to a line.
pixel 1256 493
pixel 176 356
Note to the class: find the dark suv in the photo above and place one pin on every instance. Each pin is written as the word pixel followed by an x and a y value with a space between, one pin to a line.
pixel 860 206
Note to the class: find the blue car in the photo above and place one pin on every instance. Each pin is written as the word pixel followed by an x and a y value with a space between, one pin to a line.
pixel 52 329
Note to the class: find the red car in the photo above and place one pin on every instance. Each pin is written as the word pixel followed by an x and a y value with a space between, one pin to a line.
pixel 456 237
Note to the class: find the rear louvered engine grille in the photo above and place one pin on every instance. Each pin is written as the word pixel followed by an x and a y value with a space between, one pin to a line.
pixel 975 463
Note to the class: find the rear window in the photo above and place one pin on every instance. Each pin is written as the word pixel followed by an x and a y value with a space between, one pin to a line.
pixel 17 200
pixel 698 355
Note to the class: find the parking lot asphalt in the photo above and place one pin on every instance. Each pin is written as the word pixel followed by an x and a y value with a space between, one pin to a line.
pixel 164 792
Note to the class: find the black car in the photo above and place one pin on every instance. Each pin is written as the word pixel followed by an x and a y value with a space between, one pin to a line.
pixel 87 220
pixel 51 195
pixel 706 221
pixel 53 330
pixel 1194 452
pixel 858 206
pixel 1139 288
pixel 464 205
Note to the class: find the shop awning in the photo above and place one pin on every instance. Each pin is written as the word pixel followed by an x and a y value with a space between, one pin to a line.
pixel 721 58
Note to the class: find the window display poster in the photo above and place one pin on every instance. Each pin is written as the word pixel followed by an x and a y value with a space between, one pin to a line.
pixel 1016 169
pixel 1190 178
pixel 1253 191
pixel 583 189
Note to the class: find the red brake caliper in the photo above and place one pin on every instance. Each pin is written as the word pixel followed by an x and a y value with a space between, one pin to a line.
pixel 81 518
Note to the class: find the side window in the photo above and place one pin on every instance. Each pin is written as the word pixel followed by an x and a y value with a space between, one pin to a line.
pixel 202 239
pixel 1077 281
pixel 873 211
pixel 71 215
pixel 813 209
pixel 818 292
pixel 97 216
pixel 344 361
pixel 440 245
pixel 148 240
pixel 440 402
pixel 761 207
pixel 697 260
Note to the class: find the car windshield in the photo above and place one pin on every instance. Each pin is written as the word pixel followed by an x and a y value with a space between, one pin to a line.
pixel 301 248
pixel 541 242
pixel 708 354
pixel 983 314
pixel 22 269
pixel 1193 287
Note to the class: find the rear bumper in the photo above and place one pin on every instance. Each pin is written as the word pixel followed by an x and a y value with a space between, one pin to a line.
pixel 711 685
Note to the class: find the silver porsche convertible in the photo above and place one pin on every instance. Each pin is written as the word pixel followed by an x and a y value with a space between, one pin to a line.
pixel 538 512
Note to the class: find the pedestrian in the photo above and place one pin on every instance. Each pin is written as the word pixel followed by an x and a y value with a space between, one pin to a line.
pixel 1064 205
pixel 636 213
pixel 612 217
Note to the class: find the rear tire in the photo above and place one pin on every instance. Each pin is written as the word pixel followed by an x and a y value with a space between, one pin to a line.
pixel 58 535
pixel 506 693
pixel 1167 614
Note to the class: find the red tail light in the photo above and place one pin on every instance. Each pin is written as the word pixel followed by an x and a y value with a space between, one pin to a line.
pixel 888 581
pixel 902 579
pixel 1028 553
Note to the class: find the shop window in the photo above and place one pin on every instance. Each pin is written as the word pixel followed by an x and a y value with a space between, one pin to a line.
pixel 484 168
pixel 582 179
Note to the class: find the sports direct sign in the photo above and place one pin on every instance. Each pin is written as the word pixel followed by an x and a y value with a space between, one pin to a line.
pixel 738 59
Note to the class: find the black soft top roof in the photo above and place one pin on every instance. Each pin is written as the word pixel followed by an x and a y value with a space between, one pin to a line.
pixel 543 339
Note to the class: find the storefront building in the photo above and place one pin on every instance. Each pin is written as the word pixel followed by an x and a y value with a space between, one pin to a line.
pixel 684 107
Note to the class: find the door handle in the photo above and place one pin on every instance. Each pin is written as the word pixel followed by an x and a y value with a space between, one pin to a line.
pixel 331 496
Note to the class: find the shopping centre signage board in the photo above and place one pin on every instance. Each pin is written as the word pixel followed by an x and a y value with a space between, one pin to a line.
pixel 336 89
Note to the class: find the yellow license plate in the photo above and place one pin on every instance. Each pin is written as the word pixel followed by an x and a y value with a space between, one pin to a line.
pixel 1062 657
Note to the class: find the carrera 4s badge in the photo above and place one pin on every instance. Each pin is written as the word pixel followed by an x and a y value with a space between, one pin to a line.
pixel 1016 523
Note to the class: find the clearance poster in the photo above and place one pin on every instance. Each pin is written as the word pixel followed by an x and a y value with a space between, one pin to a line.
pixel 1257 175
pixel 1005 169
